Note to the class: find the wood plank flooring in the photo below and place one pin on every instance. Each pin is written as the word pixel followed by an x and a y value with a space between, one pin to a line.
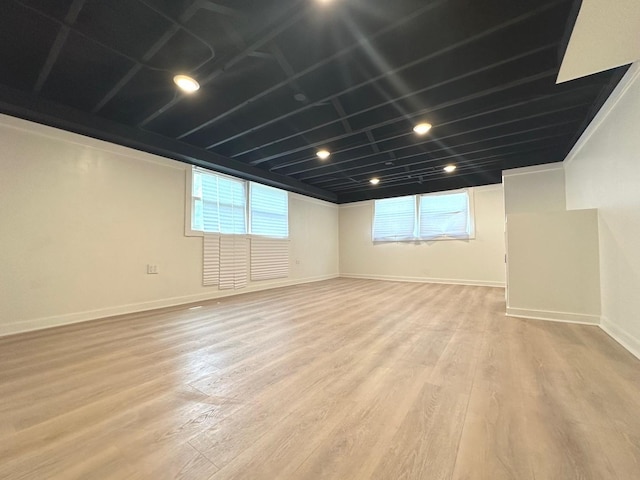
pixel 343 379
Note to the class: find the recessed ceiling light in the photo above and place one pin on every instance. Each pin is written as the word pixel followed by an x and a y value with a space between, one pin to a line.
pixel 422 128
pixel 186 83
pixel 374 181
pixel 449 168
pixel 323 154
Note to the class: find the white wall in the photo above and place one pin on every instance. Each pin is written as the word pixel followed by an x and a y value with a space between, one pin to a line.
pixel 552 254
pixel 604 36
pixel 553 266
pixel 534 189
pixel 80 220
pixel 479 261
pixel 603 172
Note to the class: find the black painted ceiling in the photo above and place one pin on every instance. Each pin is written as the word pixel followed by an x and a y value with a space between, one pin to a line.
pixel 283 78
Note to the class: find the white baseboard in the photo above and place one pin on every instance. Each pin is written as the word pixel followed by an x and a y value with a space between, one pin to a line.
pixel 566 317
pixel 393 278
pixel 621 336
pixel 70 318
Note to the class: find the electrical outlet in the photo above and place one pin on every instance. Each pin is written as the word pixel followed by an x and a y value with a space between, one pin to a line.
pixel 152 269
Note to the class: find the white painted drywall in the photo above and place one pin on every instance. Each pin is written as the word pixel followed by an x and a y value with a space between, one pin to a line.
pixel 606 35
pixel 479 261
pixel 80 219
pixel 552 254
pixel 603 172
pixel 534 189
pixel 553 265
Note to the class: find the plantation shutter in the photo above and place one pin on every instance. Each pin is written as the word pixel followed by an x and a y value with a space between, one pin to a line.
pixel 269 258
pixel 211 263
pixel 234 256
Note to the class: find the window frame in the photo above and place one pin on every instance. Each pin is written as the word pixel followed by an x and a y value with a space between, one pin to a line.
pixel 188 217
pixel 470 215
pixel 249 203
pixel 401 239
pixel 416 228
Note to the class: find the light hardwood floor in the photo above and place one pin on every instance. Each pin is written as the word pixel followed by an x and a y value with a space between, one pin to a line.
pixel 343 379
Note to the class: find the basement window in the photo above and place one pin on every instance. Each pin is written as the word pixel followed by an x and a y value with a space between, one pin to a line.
pixel 269 211
pixel 223 204
pixel 445 216
pixel 439 216
pixel 219 204
pixel 394 219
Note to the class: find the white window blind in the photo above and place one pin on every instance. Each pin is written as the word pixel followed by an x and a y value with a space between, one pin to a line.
pixel 394 219
pixel 211 259
pixel 445 216
pixel 218 203
pixel 269 211
pixel 234 256
pixel 269 258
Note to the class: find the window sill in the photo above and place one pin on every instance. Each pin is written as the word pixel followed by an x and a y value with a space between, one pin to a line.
pixel 198 233
pixel 426 240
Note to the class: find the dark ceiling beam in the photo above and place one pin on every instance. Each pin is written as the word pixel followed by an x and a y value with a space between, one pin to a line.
pixel 155 48
pixel 568 29
pixel 413 173
pixel 437 139
pixel 311 69
pixel 417 113
pixel 138 64
pixel 388 73
pixel 423 176
pixel 373 143
pixel 486 176
pixel 596 105
pixel 337 106
pixel 394 100
pixel 414 176
pixel 435 160
pixel 56 48
pixel 188 14
pixel 432 171
pixel 444 124
pixel 439 185
pixel 227 64
pixel 20 104
pixel 263 55
pixel 406 163
pixel 286 67
pixel 220 9
pixel 238 41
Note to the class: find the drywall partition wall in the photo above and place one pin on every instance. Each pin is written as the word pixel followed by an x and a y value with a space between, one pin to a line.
pixel 603 172
pixel 553 266
pixel 81 219
pixel 477 262
pixel 534 189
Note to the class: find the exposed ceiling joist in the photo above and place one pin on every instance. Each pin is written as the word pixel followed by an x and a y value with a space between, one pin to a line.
pixel 20 105
pixel 281 80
